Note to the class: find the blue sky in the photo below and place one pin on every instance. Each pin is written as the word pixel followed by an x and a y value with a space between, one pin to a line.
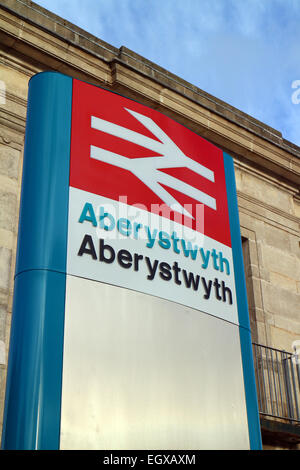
pixel 245 52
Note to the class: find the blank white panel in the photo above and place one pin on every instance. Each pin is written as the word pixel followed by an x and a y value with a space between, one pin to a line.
pixel 140 372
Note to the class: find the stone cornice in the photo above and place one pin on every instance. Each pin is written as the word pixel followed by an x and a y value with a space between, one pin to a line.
pixel 229 135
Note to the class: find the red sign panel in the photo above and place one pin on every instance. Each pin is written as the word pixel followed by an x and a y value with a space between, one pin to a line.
pixel 122 148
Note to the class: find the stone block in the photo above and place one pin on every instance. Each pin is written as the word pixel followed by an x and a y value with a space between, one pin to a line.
pixel 281 302
pixel 9 161
pixel 8 210
pixel 261 333
pixel 3 311
pixel 282 337
pixel 16 82
pixel 280 261
pixel 283 282
pixel 297 207
pixel 5 268
pixel 2 353
pixel 295 244
pixel 7 239
pixel 276 237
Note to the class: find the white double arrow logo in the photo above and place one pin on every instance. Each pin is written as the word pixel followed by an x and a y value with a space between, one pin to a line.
pixel 147 169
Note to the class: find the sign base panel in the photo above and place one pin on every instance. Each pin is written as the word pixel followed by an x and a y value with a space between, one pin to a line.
pixel 141 372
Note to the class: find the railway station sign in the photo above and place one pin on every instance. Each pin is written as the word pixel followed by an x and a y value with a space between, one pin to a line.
pixel 130 325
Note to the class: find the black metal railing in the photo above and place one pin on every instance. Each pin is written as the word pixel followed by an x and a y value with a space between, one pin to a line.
pixel 278 383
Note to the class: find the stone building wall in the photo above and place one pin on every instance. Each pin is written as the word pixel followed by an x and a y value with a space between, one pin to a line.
pixel 267 167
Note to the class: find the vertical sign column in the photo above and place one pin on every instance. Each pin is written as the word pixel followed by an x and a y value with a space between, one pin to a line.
pixel 33 392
